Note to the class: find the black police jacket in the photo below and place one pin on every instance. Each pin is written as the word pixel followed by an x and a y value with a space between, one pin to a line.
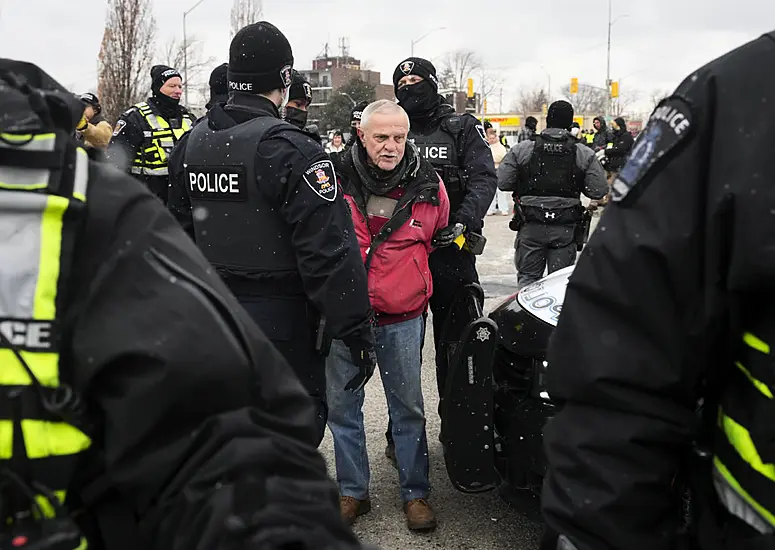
pixel 462 148
pixel 201 418
pixel 689 233
pixel 294 178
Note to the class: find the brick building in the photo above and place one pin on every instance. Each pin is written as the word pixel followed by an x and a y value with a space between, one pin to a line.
pixel 328 74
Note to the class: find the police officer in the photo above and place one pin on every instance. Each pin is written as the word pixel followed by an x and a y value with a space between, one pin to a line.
pixel 136 393
pixel 178 202
pixel 457 148
pixel 299 100
pixel 355 122
pixel 146 133
pixel 673 302
pixel 547 177
pixel 268 215
pixel 219 87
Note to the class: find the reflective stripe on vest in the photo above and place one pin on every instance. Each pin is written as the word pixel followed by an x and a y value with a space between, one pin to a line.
pixel 153 155
pixel 37 236
pixel 744 482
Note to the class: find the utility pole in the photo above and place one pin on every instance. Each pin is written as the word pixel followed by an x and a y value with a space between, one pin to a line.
pixel 185 48
pixel 608 66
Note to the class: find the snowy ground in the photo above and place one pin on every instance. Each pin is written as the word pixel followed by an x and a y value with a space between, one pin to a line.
pixel 482 522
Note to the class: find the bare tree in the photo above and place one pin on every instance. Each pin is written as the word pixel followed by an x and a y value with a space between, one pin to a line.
pixel 621 104
pixel 531 101
pixel 657 96
pixel 245 12
pixel 174 54
pixel 125 55
pixel 492 81
pixel 457 67
pixel 589 99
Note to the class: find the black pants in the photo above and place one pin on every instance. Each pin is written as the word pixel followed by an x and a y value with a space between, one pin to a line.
pixel 290 325
pixel 451 270
pixel 542 247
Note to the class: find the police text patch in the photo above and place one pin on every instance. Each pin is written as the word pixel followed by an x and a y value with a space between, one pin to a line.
pixel 669 125
pixel 432 151
pixel 321 178
pixel 217 183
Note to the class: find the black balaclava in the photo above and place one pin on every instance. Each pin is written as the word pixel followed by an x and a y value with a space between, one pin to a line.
pixel 169 107
pixel 260 60
pixel 560 115
pixel 300 91
pixel 420 99
pixel 219 86
pixel 531 123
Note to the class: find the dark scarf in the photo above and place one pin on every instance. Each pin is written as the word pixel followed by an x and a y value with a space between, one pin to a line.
pixel 168 108
pixel 380 182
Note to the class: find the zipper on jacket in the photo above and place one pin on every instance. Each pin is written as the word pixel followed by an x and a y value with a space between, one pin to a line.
pixel 424 280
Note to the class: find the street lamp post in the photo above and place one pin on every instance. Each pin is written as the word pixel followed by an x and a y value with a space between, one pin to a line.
pixel 425 36
pixel 608 60
pixel 549 91
pixel 185 47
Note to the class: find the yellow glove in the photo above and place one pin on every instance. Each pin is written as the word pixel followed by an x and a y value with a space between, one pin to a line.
pixel 82 124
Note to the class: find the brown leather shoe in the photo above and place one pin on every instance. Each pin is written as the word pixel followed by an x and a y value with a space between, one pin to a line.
pixel 419 515
pixel 351 508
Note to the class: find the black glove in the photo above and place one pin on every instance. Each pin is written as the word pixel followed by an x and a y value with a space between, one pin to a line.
pixel 445 237
pixel 364 357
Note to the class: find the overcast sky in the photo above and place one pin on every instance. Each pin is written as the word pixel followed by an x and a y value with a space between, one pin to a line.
pixel 655 43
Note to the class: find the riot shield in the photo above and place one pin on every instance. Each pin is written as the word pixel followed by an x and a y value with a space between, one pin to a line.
pixel 467 411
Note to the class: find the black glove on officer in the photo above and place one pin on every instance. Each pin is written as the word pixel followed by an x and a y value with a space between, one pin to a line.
pixel 364 357
pixel 446 237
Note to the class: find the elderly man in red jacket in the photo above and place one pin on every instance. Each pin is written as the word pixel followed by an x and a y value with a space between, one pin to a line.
pixel 398 203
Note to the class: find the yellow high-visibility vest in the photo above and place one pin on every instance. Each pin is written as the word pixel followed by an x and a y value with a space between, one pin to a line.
pixel 40 206
pixel 744 473
pixel 153 155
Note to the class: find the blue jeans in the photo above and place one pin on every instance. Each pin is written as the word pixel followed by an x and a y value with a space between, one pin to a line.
pixel 399 361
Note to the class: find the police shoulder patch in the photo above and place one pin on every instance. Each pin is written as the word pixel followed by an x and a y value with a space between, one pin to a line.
pixel 119 126
pixel 321 178
pixel 669 125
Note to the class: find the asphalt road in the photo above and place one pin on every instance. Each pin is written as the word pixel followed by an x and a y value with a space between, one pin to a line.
pixel 482 522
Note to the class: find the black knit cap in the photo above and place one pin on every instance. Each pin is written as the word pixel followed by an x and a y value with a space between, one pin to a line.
pixel 560 115
pixel 161 74
pixel 219 85
pixel 357 111
pixel 417 66
pixel 300 88
pixel 260 59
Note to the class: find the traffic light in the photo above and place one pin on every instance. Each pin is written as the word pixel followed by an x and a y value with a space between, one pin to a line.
pixel 574 85
pixel 470 87
pixel 614 89
pixel 484 106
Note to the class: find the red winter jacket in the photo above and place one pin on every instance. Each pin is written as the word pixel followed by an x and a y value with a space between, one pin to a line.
pixel 400 284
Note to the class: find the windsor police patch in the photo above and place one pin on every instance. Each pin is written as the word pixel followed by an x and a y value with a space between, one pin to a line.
pixel 119 126
pixel 407 66
pixel 669 126
pixel 321 178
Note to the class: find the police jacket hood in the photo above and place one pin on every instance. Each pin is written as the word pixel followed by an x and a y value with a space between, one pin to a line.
pixel 32 100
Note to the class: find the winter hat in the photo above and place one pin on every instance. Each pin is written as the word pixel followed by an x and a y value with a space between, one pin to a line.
pixel 219 87
pixel 531 122
pixel 161 74
pixel 560 115
pixel 487 125
pixel 90 99
pixel 260 59
pixel 417 66
pixel 357 112
pixel 621 123
pixel 300 88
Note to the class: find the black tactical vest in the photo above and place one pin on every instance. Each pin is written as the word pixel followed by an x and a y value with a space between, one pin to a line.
pixel 551 170
pixel 440 148
pixel 236 229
